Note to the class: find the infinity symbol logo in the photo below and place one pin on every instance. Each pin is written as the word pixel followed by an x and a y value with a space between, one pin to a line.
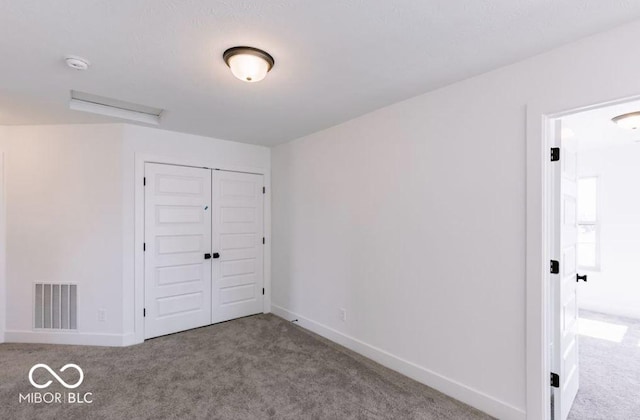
pixel 59 379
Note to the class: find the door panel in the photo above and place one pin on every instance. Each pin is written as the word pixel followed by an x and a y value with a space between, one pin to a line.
pixel 177 235
pixel 238 232
pixel 563 285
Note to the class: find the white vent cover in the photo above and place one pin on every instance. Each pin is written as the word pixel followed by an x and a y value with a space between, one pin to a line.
pixel 88 102
pixel 56 306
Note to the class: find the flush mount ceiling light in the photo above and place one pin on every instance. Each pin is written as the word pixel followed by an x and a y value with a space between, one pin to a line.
pixel 247 63
pixel 629 121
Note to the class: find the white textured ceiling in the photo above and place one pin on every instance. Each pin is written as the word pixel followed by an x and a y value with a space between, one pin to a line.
pixel 594 130
pixel 335 59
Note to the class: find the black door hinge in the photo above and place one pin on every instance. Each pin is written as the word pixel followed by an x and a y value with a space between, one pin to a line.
pixel 263 290
pixel 144 246
pixel 144 181
pixel 555 380
pixel 264 190
pixel 144 312
pixel 555 267
pixel 263 240
pixel 555 154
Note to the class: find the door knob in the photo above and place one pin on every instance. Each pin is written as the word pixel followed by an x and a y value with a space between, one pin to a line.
pixel 207 256
pixel 579 277
pixel 216 255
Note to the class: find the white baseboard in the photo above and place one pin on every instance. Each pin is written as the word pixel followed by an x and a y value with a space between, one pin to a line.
pixel 457 390
pixel 60 337
pixel 130 339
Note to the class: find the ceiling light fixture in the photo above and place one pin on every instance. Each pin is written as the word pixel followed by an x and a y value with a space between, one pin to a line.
pixel 247 63
pixel 629 121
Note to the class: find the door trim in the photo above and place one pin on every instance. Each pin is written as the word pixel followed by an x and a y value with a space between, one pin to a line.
pixel 538 249
pixel 136 260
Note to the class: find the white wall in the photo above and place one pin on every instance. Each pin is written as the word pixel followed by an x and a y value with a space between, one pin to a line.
pixel 412 218
pixel 64 224
pixel 615 288
pixel 71 218
pixel 3 303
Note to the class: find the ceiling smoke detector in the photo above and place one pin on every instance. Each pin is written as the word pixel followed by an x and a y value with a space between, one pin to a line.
pixel 77 63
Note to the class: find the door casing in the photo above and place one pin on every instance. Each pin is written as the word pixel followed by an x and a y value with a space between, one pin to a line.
pixel 137 259
pixel 539 214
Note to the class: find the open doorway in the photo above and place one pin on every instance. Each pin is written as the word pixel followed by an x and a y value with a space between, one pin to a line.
pixel 594 312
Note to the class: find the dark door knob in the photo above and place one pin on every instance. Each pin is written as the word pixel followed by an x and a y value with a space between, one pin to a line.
pixel 207 256
pixel 579 277
pixel 216 255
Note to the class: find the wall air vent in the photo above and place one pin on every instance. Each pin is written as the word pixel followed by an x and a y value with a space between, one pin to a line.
pixel 56 306
pixel 87 102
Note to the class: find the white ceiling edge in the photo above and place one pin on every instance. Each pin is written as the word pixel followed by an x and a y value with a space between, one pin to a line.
pixel 168 54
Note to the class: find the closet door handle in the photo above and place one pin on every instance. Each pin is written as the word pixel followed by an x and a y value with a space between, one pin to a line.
pixel 579 277
pixel 216 255
pixel 207 256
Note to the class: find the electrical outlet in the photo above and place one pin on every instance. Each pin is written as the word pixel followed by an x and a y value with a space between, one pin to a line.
pixel 343 315
pixel 102 315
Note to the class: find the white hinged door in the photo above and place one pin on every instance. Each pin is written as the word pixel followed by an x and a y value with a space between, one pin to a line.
pixel 563 285
pixel 238 241
pixel 177 239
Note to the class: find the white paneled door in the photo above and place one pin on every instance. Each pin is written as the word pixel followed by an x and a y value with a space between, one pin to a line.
pixel 203 247
pixel 238 241
pixel 177 239
pixel 563 284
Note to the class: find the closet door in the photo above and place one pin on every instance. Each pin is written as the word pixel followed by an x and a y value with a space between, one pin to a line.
pixel 177 248
pixel 237 243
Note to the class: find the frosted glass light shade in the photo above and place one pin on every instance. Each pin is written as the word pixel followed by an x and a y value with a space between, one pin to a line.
pixel 629 121
pixel 248 64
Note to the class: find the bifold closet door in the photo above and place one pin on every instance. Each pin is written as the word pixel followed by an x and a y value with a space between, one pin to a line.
pixel 177 248
pixel 238 239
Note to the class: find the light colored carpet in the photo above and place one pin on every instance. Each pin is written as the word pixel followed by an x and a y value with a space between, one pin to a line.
pixel 609 373
pixel 251 368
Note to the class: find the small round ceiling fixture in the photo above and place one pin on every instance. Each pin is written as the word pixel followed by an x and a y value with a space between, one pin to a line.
pixel 629 121
pixel 77 63
pixel 248 64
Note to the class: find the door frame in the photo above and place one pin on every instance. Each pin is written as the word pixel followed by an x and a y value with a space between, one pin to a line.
pixel 538 249
pixel 138 256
